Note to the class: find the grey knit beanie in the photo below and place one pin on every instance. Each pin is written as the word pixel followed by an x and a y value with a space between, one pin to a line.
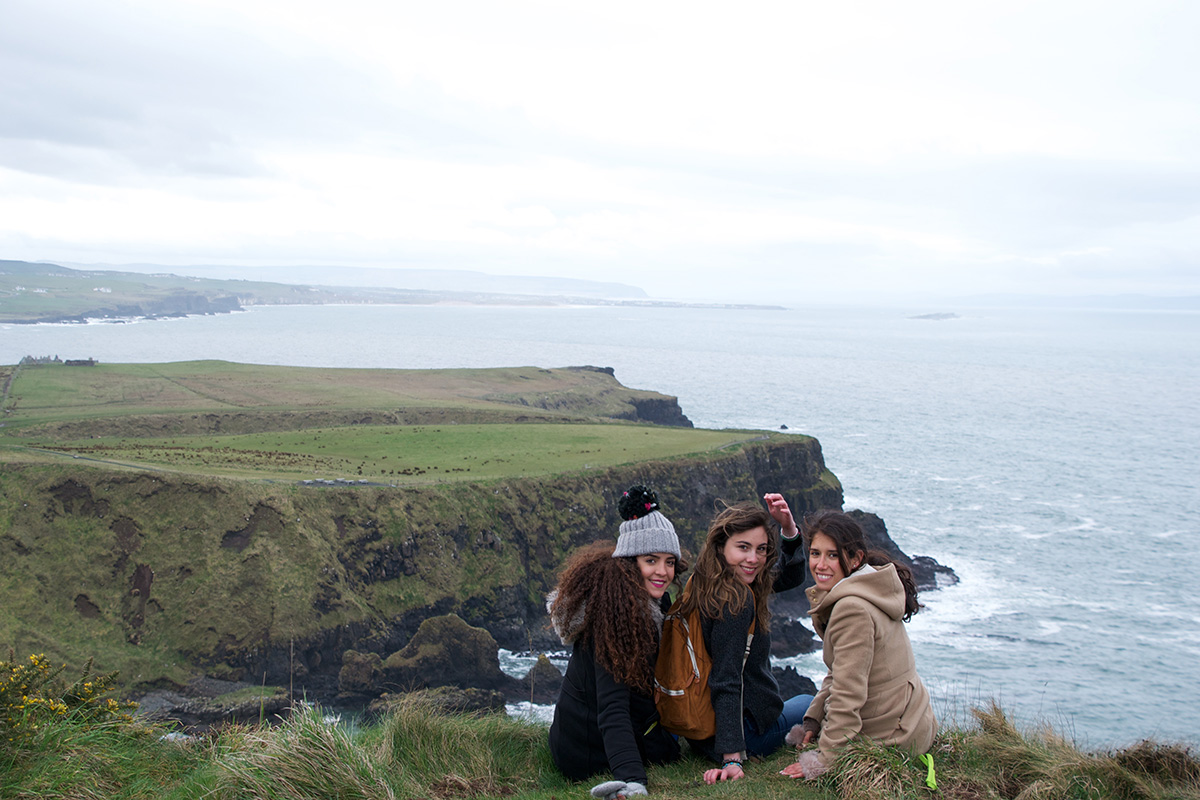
pixel 644 530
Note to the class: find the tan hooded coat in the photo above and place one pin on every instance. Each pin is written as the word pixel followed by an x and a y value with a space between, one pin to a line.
pixel 872 688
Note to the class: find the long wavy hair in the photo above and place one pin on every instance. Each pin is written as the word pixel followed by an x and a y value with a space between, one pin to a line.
pixel 851 544
pixel 713 587
pixel 617 623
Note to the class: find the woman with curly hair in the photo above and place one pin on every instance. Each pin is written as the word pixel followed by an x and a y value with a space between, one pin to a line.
pixel 749 553
pixel 860 603
pixel 609 606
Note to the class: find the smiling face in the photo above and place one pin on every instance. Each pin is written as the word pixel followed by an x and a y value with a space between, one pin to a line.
pixel 658 570
pixel 824 564
pixel 746 553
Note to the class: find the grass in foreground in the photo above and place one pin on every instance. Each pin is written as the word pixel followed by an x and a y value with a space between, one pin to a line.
pixel 414 753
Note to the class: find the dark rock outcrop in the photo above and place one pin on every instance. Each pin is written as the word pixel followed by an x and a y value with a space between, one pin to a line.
pixel 360 674
pixel 541 683
pixel 206 702
pixel 790 637
pixel 661 411
pixel 446 652
pixel 792 683
pixel 442 700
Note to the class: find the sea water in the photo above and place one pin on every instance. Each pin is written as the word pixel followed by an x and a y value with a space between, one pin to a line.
pixel 1048 456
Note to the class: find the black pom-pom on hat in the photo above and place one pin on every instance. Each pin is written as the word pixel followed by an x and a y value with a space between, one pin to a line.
pixel 637 502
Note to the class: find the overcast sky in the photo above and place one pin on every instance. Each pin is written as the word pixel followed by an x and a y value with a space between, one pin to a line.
pixel 765 150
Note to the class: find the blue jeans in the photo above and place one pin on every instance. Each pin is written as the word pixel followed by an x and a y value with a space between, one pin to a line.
pixel 771 739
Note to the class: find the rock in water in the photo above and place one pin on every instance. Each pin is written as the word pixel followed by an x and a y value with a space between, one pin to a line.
pixel 445 651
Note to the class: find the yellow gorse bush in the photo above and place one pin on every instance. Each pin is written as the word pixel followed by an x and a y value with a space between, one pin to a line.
pixel 32 694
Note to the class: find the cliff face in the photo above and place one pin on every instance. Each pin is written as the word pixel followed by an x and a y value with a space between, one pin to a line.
pixel 162 576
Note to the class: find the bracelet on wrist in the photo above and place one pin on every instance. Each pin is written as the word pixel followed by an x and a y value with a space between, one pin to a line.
pixel 733 762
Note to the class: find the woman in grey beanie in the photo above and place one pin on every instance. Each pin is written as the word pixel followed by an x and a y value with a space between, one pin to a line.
pixel 608 606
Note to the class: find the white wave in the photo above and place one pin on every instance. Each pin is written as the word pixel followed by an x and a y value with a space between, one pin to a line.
pixel 517 665
pixel 531 712
pixel 810 664
pixel 1158 611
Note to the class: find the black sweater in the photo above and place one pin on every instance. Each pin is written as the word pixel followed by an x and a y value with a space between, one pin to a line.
pixel 752 691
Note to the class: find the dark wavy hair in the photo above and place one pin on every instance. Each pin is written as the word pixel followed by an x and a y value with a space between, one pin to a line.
pixel 713 587
pixel 851 544
pixel 617 622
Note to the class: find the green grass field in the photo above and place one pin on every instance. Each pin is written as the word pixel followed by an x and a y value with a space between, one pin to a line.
pixel 57 393
pixel 292 423
pixel 407 455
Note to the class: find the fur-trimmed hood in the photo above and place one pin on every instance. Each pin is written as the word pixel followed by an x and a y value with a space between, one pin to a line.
pixel 568 630
pixel 879 586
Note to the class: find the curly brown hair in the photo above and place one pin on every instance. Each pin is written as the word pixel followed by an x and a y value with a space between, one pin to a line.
pixel 713 587
pixel 610 597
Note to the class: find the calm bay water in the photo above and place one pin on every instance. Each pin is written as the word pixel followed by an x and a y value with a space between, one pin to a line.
pixel 1048 456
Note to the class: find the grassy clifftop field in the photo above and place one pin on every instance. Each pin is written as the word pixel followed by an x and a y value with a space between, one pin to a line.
pixel 386 426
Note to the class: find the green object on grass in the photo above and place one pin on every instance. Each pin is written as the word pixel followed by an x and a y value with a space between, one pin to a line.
pixel 930 776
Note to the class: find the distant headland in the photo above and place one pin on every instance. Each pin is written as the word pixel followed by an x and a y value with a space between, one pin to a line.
pixel 32 293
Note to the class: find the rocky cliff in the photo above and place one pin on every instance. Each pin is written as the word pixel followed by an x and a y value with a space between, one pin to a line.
pixel 165 577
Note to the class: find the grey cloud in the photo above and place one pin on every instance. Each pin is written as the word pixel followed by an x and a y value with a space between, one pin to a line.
pixel 163 98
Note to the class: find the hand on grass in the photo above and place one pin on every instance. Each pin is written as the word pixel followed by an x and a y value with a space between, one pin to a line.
pixel 807 765
pixel 731 773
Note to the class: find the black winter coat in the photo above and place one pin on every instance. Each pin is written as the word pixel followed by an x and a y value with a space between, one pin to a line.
pixel 601 725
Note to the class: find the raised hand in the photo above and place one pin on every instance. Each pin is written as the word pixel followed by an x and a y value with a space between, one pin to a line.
pixel 779 510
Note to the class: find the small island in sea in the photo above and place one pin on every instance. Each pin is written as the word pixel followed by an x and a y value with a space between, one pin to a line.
pixel 937 316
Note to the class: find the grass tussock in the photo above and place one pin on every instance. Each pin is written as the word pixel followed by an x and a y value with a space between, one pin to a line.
pixel 870 771
pixel 486 755
pixel 1042 765
pixel 306 757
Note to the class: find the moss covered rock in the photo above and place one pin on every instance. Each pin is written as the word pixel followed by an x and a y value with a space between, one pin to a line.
pixel 446 652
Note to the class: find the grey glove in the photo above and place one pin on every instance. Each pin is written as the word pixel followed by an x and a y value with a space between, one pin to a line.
pixel 610 790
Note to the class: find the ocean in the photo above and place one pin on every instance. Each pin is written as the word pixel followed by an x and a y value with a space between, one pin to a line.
pixel 1048 456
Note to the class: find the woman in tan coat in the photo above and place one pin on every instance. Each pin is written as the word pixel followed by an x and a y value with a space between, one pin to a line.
pixel 859 605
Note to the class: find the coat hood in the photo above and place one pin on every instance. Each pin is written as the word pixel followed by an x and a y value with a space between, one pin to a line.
pixel 568 630
pixel 879 586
